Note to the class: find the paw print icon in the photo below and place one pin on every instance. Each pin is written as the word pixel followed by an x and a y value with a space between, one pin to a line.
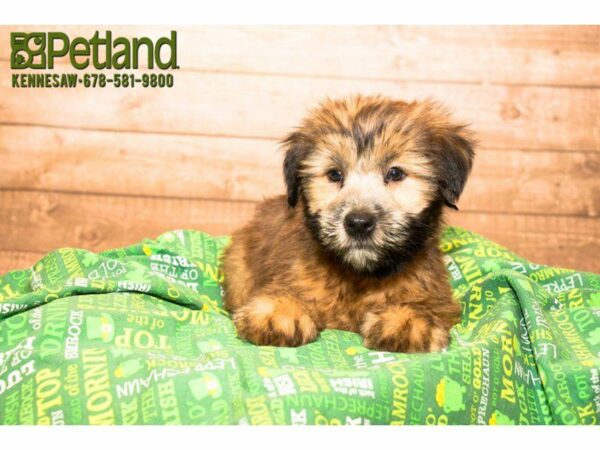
pixel 28 50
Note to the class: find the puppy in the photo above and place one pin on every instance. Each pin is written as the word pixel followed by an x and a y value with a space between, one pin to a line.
pixel 354 244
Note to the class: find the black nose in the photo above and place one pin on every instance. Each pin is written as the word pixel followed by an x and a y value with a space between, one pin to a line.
pixel 359 224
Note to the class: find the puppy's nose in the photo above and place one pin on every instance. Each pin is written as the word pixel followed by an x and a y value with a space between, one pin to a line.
pixel 359 223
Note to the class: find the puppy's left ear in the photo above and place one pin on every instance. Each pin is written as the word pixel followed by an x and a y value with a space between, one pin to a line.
pixel 296 147
pixel 452 148
pixel 456 149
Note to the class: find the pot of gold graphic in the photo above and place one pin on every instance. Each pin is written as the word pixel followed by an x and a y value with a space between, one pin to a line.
pixel 206 385
pixel 128 368
pixel 209 346
pixel 100 327
pixel 499 418
pixel 449 395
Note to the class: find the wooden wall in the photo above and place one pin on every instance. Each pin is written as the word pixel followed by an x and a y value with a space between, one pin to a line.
pixel 99 168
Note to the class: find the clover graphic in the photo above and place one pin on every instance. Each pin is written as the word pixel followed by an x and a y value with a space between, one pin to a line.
pixel 595 299
pixel 594 337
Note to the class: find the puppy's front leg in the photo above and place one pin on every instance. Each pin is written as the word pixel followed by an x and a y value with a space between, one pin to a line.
pixel 275 319
pixel 403 328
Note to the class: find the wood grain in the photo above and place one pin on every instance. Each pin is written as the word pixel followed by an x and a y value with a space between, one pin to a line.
pixel 41 221
pixel 140 163
pixel 541 55
pixel 541 182
pixel 269 106
pixel 11 260
pixel 570 242
pixel 249 169
pixel 99 222
pixel 100 168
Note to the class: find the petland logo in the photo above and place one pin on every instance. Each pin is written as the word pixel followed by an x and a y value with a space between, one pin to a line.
pixel 41 50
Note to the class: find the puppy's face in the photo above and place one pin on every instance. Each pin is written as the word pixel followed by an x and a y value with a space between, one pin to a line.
pixel 373 174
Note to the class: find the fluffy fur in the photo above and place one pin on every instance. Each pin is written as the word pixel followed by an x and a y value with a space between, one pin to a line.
pixel 354 243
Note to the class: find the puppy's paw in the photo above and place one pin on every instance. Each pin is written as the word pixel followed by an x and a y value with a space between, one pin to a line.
pixel 274 321
pixel 401 328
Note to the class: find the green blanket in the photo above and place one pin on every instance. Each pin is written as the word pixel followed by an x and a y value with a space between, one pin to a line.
pixel 138 335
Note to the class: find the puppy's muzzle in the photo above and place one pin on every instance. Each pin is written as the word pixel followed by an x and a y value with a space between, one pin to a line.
pixel 359 224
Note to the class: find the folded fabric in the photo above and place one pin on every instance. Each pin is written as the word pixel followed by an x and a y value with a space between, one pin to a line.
pixel 138 335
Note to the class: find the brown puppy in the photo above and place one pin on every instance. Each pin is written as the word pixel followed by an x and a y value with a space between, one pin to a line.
pixel 354 246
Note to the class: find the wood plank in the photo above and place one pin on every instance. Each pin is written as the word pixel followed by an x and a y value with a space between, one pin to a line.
pixel 540 182
pixel 12 260
pixel 569 242
pixel 551 55
pixel 40 222
pixel 514 181
pixel 145 164
pixel 271 106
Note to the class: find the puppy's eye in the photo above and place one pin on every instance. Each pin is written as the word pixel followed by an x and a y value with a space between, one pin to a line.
pixel 334 175
pixel 395 174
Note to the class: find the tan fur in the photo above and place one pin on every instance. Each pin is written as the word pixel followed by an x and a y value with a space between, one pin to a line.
pixel 284 283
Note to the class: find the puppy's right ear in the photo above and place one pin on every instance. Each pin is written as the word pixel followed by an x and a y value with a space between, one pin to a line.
pixel 296 147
